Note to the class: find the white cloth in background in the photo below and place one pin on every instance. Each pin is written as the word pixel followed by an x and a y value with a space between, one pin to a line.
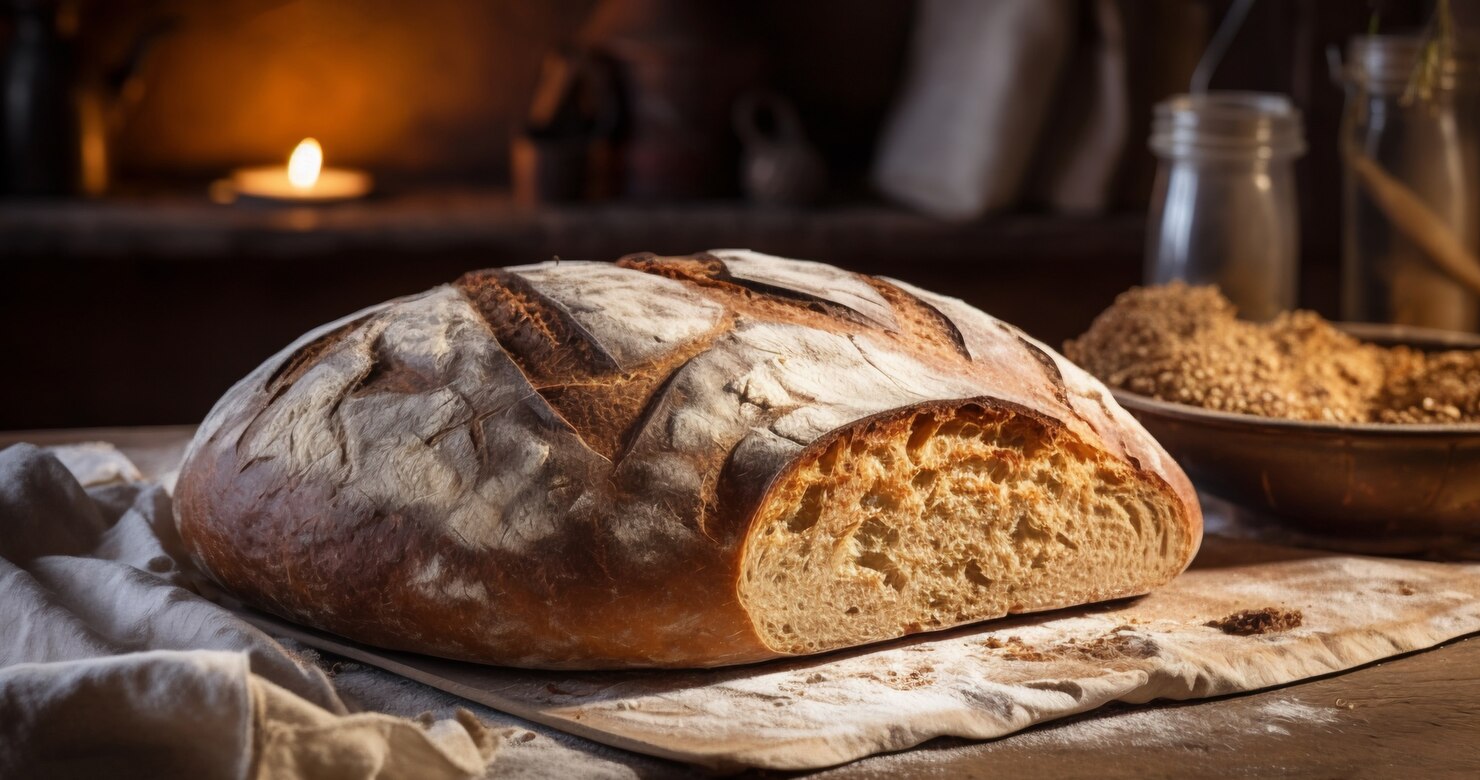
pixel 1085 137
pixel 980 85
pixel 111 664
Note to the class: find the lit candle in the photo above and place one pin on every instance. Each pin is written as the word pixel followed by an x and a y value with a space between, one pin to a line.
pixel 304 180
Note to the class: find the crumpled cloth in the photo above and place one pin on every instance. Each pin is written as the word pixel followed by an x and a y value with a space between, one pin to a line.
pixel 113 665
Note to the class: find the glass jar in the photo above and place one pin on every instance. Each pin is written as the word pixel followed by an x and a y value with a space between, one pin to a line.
pixel 1400 147
pixel 1223 209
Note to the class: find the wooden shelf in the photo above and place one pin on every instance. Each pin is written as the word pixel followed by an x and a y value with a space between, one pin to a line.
pixel 173 227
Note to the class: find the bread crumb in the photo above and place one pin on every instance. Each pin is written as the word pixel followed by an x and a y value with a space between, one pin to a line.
pixel 1017 650
pixel 1113 647
pixel 917 678
pixel 1251 622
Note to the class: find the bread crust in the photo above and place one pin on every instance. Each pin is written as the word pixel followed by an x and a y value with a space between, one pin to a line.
pixel 556 466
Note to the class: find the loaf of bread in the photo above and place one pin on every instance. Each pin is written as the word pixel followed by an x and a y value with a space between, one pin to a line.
pixel 674 462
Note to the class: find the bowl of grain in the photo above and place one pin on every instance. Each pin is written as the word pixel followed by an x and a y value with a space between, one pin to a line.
pixel 1341 430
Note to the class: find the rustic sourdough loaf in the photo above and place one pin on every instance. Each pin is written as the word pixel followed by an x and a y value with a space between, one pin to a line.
pixel 674 461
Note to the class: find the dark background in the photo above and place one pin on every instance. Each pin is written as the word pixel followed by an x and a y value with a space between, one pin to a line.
pixel 144 306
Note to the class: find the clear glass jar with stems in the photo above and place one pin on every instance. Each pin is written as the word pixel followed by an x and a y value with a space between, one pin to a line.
pixel 1223 209
pixel 1410 146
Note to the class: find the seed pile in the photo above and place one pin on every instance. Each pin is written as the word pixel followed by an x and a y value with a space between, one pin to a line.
pixel 1185 344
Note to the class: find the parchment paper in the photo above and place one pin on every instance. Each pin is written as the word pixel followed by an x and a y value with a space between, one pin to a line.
pixel 995 678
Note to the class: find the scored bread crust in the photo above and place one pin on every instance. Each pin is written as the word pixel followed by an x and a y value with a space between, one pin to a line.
pixel 559 465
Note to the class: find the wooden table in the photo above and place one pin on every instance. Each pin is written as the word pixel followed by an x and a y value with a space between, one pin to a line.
pixel 1412 716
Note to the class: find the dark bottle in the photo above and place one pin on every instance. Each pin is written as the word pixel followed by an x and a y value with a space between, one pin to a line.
pixel 680 65
pixel 39 148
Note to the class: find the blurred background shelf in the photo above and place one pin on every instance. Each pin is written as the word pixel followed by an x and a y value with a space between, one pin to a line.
pixel 146 308
pixel 174 228
pixel 142 307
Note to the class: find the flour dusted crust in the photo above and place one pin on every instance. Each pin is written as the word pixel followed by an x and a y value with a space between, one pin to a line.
pixel 593 465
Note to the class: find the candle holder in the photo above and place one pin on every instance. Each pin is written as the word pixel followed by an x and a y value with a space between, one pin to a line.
pixel 304 180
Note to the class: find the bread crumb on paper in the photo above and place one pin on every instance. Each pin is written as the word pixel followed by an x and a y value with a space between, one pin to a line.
pixel 1113 646
pixel 1253 622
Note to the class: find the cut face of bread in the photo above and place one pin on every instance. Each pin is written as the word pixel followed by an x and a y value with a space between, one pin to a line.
pixel 947 516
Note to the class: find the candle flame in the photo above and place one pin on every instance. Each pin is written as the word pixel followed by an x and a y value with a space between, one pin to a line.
pixel 305 163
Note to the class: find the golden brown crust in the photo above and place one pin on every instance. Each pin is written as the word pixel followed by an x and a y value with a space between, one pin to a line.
pixel 556 465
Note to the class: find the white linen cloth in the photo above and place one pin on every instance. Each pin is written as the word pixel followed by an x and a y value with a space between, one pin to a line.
pixel 112 664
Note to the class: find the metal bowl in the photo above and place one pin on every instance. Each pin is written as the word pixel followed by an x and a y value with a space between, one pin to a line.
pixel 1415 483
